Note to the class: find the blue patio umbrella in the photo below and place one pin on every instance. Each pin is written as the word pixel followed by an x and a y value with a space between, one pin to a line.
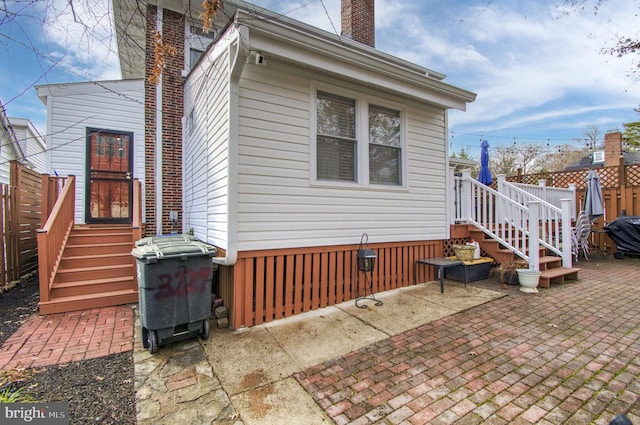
pixel 485 174
pixel 593 204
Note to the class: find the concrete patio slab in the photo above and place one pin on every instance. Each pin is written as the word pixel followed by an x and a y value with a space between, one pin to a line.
pixel 256 365
pixel 409 308
pixel 317 336
pixel 282 402
pixel 248 360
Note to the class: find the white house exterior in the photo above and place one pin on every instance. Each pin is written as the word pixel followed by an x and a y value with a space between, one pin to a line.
pixel 296 143
pixel 31 143
pixel 283 144
pixel 73 109
pixel 19 141
pixel 250 134
pixel 9 150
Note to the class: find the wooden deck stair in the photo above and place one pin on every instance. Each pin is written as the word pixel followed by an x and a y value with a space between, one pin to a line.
pixel 96 270
pixel 550 266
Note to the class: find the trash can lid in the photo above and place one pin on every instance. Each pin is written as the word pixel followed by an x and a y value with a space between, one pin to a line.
pixel 171 238
pixel 175 248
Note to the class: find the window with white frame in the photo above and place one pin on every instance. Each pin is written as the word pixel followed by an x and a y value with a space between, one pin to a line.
pixel 196 42
pixel 340 123
pixel 194 56
pixel 384 146
pixel 336 141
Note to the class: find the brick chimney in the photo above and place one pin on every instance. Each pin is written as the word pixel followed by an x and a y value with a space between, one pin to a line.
pixel 358 21
pixel 612 148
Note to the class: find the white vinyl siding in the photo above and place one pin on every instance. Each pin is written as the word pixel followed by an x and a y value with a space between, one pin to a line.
pixel 74 107
pixel 6 155
pixel 196 42
pixel 280 205
pixel 31 143
pixel 206 149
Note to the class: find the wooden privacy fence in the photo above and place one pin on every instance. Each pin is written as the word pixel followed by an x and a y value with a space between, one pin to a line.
pixel 20 214
pixel 620 191
pixel 267 285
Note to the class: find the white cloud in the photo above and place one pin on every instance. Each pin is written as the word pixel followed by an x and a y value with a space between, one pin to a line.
pixel 536 65
pixel 82 38
pixel 531 62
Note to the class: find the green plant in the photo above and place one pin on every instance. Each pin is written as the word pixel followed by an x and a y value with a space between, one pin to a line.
pixel 10 395
pixel 191 232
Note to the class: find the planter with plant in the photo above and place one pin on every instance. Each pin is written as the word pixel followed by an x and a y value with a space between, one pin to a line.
pixel 507 272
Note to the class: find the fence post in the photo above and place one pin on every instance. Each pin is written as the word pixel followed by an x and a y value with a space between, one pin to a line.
pixel 44 200
pixel 500 204
pixel 13 252
pixel 623 187
pixel 542 183
pixel 466 198
pixel 567 210
pixel 534 235
pixel 572 206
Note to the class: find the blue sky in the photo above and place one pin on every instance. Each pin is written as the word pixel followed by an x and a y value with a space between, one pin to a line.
pixel 538 72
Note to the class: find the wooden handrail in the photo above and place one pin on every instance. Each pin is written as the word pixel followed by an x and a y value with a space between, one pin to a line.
pixel 53 236
pixel 136 232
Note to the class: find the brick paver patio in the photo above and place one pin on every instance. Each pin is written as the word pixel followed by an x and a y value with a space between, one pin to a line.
pixel 568 355
pixel 65 337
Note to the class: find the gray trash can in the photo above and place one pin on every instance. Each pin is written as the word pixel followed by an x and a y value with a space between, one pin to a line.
pixel 174 289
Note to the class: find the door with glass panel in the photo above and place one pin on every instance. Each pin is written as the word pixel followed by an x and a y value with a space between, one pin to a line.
pixel 109 176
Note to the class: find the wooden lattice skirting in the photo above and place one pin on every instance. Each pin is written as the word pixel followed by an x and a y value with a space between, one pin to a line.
pixel 272 284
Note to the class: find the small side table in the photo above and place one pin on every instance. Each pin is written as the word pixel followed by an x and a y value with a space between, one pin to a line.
pixel 441 263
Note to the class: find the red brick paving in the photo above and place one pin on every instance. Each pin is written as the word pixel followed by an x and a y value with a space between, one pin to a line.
pixel 570 354
pixel 65 337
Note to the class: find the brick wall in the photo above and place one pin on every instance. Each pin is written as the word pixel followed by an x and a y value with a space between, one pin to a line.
pixel 358 21
pixel 172 105
pixel 612 148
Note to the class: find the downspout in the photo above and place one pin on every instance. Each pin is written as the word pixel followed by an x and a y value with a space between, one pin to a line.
pixel 449 178
pixel 158 176
pixel 240 53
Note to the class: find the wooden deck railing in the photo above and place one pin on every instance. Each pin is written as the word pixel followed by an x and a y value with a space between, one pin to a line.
pixel 51 189
pixel 53 236
pixel 136 223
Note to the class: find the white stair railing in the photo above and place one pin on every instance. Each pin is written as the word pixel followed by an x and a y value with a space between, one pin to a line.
pixel 552 195
pixel 518 220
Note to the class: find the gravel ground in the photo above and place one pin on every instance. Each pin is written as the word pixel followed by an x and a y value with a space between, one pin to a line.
pixel 99 391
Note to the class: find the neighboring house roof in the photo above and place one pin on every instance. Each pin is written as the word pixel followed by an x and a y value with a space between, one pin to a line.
pixel 130 26
pixel 8 137
pixel 587 162
pixel 314 48
pixel 461 163
pixel 31 143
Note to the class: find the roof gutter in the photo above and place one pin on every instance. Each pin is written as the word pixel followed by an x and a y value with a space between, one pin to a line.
pixel 316 48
